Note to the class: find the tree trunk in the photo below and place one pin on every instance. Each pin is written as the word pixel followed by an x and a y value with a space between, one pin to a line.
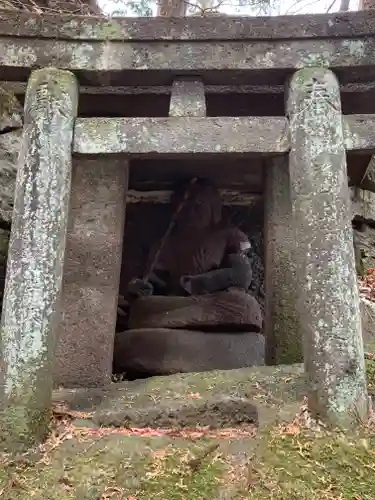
pixel 366 4
pixel 171 8
pixel 344 5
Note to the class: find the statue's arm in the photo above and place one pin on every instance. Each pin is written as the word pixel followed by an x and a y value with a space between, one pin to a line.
pixel 235 271
pixel 154 282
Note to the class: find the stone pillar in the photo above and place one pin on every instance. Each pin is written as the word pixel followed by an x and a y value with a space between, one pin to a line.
pixel 92 272
pixel 328 293
pixel 282 327
pixel 36 256
pixel 188 98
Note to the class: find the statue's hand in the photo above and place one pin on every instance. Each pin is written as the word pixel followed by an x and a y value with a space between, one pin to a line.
pixel 187 284
pixel 193 285
pixel 140 288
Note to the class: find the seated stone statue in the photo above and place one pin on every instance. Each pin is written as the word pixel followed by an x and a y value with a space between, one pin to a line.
pixel 192 311
pixel 204 254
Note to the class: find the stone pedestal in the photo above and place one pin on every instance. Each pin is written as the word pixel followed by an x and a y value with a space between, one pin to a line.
pixel 282 322
pixel 92 272
pixel 221 309
pixel 168 334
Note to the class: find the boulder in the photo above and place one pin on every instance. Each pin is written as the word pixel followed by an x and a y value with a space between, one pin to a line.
pixel 232 310
pixel 165 351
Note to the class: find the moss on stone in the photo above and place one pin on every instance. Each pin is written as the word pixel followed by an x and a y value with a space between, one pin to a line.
pixel 303 465
pixel 217 399
pixel 109 30
pixel 60 83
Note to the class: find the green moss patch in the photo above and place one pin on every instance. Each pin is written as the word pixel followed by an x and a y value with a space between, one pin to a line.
pixel 116 467
pixel 285 463
pixel 313 467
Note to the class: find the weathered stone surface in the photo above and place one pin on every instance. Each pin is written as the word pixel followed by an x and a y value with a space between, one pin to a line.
pixel 169 401
pixel 358 132
pixel 203 57
pixel 11 122
pixel 209 135
pixel 337 25
pixel 11 112
pixel 282 321
pixel 328 292
pixel 363 217
pixel 164 351
pixel 222 309
pixel 363 205
pixel 187 98
pixel 31 307
pixel 91 272
pixel 368 320
pixel 368 181
pixel 10 144
pixel 184 135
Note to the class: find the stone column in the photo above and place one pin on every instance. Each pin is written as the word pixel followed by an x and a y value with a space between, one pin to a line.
pixel 282 322
pixel 328 293
pixel 36 256
pixel 188 98
pixel 92 272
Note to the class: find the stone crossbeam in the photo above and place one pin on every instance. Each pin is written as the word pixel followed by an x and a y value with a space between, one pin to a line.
pixel 181 135
pixel 204 135
pixel 186 56
pixel 70 27
pixel 192 45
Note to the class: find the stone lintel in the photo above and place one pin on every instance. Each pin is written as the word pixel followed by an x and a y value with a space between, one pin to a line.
pixel 181 135
pixel 68 27
pixel 204 135
pixel 19 87
pixel 115 60
pixel 228 197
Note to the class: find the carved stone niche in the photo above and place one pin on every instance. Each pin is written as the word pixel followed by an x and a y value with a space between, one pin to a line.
pixel 163 335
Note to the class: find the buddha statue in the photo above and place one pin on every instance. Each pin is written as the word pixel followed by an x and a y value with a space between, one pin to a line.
pixel 192 310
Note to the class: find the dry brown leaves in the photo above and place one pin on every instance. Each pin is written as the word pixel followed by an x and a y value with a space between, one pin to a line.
pixel 63 428
pixel 367 285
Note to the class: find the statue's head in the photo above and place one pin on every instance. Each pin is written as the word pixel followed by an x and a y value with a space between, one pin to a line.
pixel 202 206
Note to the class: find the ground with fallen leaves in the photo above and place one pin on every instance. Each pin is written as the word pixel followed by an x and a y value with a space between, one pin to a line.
pixel 367 285
pixel 297 460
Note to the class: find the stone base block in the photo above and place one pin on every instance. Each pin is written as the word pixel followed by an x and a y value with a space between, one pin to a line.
pixel 164 351
pixel 84 357
pixel 234 308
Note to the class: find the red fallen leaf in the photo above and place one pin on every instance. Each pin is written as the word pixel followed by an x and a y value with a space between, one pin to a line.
pixel 292 430
pixel 195 395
